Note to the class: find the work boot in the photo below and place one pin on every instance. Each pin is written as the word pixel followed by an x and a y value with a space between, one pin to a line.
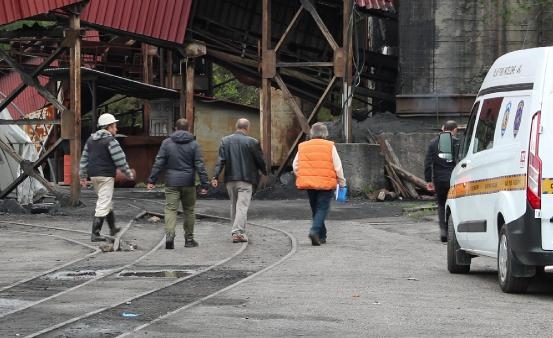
pixel 113 230
pixel 169 241
pixel 189 242
pixel 96 227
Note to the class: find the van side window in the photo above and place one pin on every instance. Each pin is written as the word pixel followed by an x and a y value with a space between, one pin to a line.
pixel 485 128
pixel 469 131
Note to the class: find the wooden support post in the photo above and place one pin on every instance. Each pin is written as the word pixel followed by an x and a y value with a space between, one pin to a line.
pixel 75 99
pixel 189 101
pixel 268 70
pixel 347 81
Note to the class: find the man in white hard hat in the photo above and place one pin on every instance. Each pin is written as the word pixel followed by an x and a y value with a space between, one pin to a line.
pixel 101 156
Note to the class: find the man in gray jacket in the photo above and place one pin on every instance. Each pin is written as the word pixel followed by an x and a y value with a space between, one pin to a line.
pixel 180 155
pixel 101 155
pixel 241 157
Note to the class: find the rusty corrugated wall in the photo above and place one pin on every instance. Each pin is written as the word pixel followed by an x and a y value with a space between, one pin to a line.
pixel 160 19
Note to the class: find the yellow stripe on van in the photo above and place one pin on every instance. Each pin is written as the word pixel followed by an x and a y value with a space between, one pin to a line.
pixel 547 185
pixel 488 186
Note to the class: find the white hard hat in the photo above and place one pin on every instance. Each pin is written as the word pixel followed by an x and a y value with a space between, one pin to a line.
pixel 106 119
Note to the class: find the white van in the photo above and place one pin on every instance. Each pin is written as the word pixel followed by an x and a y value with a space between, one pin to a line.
pixel 500 203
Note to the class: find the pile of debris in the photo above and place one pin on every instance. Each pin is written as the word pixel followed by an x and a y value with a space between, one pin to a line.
pixel 404 184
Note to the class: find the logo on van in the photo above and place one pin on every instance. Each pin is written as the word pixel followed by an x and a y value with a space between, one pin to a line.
pixel 505 119
pixel 518 118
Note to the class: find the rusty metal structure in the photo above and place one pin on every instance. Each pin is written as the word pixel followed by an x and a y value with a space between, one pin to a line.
pixel 307 48
pixel 149 49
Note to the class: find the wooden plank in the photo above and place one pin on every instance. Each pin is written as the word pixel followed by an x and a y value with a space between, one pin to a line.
pixel 419 182
pixel 391 158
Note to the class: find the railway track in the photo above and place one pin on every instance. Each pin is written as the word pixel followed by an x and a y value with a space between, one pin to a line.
pixel 116 294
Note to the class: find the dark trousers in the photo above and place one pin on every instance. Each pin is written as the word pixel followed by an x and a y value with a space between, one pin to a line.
pixel 442 189
pixel 319 200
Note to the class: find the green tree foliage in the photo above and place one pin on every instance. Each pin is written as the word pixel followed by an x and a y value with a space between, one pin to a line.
pixel 228 88
pixel 126 109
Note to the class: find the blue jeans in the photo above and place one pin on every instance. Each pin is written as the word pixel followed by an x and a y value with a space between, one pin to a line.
pixel 319 200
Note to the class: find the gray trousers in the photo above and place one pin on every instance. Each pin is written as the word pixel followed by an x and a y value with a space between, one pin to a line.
pixel 240 194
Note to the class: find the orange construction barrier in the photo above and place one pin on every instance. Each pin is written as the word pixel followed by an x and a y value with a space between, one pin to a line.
pixel 67 169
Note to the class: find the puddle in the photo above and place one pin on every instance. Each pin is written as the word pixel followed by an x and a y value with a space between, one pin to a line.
pixel 72 275
pixel 157 274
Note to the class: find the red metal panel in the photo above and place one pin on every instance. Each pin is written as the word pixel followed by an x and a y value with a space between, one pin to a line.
pixel 27 101
pixel 385 5
pixel 13 10
pixel 159 19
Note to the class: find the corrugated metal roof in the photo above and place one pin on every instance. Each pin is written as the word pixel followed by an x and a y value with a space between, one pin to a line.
pixel 13 10
pixel 160 19
pixel 384 5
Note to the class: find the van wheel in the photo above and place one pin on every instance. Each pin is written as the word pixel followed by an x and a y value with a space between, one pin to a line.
pixel 455 256
pixel 505 263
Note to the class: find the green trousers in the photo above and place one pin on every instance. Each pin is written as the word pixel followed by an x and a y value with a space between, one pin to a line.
pixel 187 197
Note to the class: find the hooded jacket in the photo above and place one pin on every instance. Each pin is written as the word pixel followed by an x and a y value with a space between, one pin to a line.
pixel 181 156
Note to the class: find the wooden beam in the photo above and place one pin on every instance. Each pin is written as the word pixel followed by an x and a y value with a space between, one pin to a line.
pixel 75 104
pixel 29 169
pixel 291 25
pixel 293 104
pixel 306 64
pixel 320 23
pixel 309 120
pixel 268 71
pixel 189 101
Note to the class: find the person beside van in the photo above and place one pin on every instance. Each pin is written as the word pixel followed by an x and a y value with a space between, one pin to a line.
pixel 437 174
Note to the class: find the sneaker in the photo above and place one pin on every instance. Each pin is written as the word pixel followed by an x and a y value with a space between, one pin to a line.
pixel 190 243
pixel 239 238
pixel 322 240
pixel 314 240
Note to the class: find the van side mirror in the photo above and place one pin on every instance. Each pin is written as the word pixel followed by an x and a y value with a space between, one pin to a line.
pixel 445 146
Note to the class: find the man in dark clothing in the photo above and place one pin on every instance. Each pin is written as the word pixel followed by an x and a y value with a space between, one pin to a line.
pixel 437 173
pixel 242 159
pixel 101 155
pixel 181 156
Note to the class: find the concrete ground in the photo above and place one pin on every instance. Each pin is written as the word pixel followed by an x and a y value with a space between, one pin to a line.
pixel 337 289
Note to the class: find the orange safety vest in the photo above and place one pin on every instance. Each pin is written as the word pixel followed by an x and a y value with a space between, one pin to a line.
pixel 315 165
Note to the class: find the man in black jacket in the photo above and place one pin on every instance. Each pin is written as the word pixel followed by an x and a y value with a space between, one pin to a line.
pixel 182 158
pixel 437 173
pixel 242 159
